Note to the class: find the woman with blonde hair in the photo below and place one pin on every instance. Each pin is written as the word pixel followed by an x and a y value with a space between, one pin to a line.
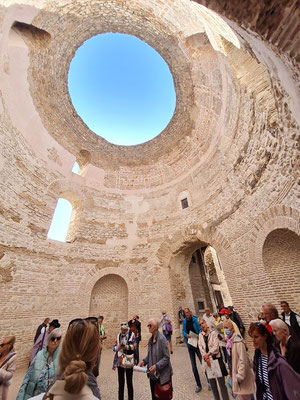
pixel 8 361
pixel 209 347
pixel 240 367
pixel 77 358
pixel 42 372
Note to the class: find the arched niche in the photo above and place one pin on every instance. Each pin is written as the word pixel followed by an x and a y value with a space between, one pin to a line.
pixel 281 259
pixel 109 298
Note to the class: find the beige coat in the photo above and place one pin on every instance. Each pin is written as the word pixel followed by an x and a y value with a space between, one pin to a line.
pixel 6 374
pixel 242 374
pixel 59 393
pixel 213 343
pixel 236 329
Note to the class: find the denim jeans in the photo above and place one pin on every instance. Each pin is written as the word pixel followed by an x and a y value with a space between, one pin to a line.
pixel 193 351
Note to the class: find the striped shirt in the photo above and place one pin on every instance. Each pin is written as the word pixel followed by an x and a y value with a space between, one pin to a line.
pixel 263 377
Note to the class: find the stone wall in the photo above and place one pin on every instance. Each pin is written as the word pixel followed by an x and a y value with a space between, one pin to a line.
pixel 199 285
pixel 281 255
pixel 110 298
pixel 231 148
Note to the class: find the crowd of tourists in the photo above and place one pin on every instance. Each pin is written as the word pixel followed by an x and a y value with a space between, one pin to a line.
pixel 68 369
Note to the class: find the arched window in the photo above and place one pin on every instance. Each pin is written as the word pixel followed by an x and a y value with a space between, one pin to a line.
pixel 82 160
pixel 61 220
pixel 76 168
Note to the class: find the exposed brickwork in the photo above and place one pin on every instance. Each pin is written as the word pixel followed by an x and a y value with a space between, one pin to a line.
pixel 231 147
pixel 281 257
pixel 276 21
pixel 110 298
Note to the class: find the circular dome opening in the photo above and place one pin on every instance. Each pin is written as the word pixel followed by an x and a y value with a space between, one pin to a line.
pixel 121 88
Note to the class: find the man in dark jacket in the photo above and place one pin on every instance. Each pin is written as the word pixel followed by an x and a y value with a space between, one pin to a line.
pixel 135 326
pixel 41 328
pixel 291 319
pixel 235 317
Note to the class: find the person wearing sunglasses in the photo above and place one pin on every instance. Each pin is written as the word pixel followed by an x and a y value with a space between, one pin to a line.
pixel 8 361
pixel 42 372
pixel 77 359
pixel 208 344
pixel 41 341
pixel 275 378
pixel 124 346
pixel 157 359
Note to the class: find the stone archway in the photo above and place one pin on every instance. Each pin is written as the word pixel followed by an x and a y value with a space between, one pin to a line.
pixel 109 298
pixel 281 258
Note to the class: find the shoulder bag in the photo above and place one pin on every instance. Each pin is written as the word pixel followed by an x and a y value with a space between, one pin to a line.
pixel 127 360
pixel 163 392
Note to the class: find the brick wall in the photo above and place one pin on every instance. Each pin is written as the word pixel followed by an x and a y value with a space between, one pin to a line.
pixel 231 146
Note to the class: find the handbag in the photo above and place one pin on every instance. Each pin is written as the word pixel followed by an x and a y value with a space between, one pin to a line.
pixel 168 327
pixel 127 360
pixel 163 392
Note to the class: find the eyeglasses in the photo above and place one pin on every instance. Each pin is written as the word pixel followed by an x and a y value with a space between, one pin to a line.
pixel 3 344
pixel 55 338
pixel 93 320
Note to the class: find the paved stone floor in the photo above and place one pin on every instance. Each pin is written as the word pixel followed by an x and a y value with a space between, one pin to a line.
pixel 183 379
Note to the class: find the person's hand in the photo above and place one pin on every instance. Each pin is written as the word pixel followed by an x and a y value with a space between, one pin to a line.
pixel 224 340
pixel 187 336
pixel 141 364
pixel 121 347
pixel 206 357
pixel 152 369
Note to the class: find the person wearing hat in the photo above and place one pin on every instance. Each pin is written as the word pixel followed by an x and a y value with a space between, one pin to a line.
pixel 235 317
pixel 42 339
pixel 135 326
pixel 124 346
pixel 41 328
pixel 225 317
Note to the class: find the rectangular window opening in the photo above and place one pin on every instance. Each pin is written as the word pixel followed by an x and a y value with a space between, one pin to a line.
pixel 184 203
pixel 201 305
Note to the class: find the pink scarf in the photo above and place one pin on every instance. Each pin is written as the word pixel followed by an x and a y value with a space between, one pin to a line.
pixel 228 345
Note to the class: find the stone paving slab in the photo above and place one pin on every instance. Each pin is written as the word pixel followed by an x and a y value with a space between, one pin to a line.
pixel 183 379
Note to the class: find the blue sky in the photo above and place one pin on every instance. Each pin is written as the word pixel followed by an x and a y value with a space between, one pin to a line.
pixel 121 88
pixel 124 91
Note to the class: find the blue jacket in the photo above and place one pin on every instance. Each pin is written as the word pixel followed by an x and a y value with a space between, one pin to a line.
pixel 32 384
pixel 195 325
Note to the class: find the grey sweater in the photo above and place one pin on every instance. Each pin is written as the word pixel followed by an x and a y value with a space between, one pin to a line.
pixel 158 354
